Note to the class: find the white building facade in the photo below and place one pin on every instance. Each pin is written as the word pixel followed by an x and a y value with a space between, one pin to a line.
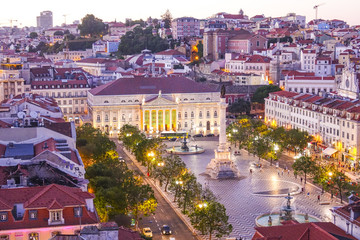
pixel 334 122
pixel 155 105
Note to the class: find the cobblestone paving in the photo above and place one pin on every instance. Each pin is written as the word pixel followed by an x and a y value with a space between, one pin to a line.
pixel 239 197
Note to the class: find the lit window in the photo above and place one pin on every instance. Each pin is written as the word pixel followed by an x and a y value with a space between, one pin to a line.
pixel 3 216
pixel 34 236
pixel 55 216
pixel 33 214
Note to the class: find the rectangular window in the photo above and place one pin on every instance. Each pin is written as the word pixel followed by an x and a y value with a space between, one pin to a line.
pixel 33 214
pixel 3 216
pixel 77 211
pixel 55 216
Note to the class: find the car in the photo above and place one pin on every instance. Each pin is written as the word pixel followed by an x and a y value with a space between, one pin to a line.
pixel 147 232
pixel 165 230
pixel 172 139
pixel 198 135
pixel 121 159
pixel 210 135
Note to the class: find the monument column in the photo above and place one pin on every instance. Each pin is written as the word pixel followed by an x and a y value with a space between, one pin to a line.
pixel 222 116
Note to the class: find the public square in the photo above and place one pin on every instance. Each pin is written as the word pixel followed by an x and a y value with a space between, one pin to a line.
pixel 258 193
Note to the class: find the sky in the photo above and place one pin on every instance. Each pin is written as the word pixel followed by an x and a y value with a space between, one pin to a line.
pixel 25 11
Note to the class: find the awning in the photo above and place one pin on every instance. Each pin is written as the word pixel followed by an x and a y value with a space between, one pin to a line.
pixel 329 151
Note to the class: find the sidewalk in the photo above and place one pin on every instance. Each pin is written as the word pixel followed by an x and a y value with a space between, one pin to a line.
pixel 166 195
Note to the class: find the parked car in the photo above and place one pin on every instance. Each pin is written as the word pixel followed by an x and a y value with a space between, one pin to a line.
pixel 210 135
pixel 173 139
pixel 147 232
pixel 198 135
pixel 165 230
pixel 237 153
pixel 121 159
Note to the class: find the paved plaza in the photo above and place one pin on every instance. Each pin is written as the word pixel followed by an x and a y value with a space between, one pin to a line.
pixel 257 193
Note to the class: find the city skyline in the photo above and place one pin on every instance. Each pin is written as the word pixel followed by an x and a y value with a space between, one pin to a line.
pixel 26 15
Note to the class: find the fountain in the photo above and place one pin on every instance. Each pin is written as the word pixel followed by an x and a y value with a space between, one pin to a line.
pixel 184 149
pixel 286 213
pixel 222 166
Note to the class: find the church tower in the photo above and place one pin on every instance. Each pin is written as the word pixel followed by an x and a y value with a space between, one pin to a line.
pixel 349 85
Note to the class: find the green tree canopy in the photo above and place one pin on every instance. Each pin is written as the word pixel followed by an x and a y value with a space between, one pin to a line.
pixel 90 25
pixel 263 92
pixel 133 42
pixel 92 144
pixel 33 35
pixel 305 165
pixel 167 18
pixel 210 218
pixel 239 107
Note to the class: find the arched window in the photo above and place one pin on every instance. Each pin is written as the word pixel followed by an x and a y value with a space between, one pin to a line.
pixel 208 98
pixel 200 114
pixel 208 114
pixel 98 118
pixel 215 123
pixel 200 124
pixel 106 118
pixel 215 113
pixel 106 101
pixel 185 114
pixel 192 114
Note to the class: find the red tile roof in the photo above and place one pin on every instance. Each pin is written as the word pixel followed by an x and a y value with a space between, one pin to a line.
pixel 170 52
pixel 309 231
pixel 143 85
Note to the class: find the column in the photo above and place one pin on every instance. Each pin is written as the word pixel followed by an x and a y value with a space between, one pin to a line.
pixel 150 120
pixel 143 119
pixel 157 120
pixel 163 116
pixel 177 121
pixel 171 119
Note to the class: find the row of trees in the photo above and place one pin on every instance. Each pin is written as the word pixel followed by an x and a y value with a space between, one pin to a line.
pixel 206 214
pixel 118 191
pixel 326 176
pixel 265 141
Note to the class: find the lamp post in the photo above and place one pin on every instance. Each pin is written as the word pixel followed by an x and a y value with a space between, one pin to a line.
pixel 179 184
pixel 151 156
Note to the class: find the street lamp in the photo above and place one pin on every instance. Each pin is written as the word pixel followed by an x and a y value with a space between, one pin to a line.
pixel 160 164
pixel 179 184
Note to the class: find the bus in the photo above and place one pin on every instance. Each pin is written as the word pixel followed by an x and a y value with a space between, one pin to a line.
pixel 171 134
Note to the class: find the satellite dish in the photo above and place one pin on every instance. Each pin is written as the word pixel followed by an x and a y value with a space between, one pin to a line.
pixel 33 114
pixel 21 115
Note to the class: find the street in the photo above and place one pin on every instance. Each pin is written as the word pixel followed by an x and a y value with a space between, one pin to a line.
pixel 164 214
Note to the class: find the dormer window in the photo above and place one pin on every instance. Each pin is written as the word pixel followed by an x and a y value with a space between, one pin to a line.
pixel 33 214
pixel 3 216
pixel 77 211
pixel 56 216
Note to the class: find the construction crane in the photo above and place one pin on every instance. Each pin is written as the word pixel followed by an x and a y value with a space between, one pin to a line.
pixel 11 22
pixel 316 10
pixel 64 15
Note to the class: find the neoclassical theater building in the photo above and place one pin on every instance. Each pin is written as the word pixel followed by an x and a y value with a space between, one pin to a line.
pixel 155 104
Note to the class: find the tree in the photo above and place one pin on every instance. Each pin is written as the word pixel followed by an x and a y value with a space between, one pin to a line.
pixel 172 167
pixel 305 165
pixel 263 92
pixel 239 132
pixel 239 107
pixel 297 139
pixel 90 25
pixel 189 191
pixel 200 48
pixel 59 33
pixel 133 42
pixel 131 136
pixel 92 144
pixel 33 35
pixel 210 218
pixel 167 18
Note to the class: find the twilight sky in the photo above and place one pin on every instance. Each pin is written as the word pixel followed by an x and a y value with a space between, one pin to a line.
pixel 25 11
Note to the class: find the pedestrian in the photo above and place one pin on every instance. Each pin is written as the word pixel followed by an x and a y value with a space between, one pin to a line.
pixel 319 198
pixel 308 194
pixel 288 172
pixel 302 190
pixel 278 172
pixel 250 171
pixel 301 179
pixel 282 172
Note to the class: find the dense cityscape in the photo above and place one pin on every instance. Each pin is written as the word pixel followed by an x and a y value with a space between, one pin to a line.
pixel 230 127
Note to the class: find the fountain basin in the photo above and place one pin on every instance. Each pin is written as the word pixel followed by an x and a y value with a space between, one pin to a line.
pixel 180 151
pixel 262 220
